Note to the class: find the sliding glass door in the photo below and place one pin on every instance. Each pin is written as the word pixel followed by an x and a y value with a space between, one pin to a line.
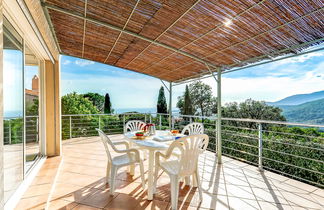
pixel 13 91
pixel 32 92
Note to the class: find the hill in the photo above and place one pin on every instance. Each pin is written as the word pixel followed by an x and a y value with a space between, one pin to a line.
pixel 298 99
pixel 310 112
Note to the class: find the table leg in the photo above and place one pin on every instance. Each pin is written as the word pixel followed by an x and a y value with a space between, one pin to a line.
pixel 131 168
pixel 150 175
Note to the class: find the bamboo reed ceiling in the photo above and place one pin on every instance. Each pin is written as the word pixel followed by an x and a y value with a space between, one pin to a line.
pixel 178 39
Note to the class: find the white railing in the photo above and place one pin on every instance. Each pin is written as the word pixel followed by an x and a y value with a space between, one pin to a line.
pixel 13 129
pixel 292 149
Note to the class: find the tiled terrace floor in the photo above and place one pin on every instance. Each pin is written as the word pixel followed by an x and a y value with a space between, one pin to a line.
pixel 76 181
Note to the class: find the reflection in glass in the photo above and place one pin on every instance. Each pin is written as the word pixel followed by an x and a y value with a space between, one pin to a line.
pixel 31 107
pixel 13 109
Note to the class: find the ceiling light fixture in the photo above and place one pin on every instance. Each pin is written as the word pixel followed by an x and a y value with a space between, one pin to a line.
pixel 228 23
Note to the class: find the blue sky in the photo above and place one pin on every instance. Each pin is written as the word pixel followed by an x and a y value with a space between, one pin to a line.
pixel 269 82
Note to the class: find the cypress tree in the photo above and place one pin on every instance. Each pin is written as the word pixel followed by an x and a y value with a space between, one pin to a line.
pixel 107 106
pixel 187 107
pixel 161 103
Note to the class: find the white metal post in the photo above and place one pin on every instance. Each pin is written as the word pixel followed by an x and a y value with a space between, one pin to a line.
pixel 160 121
pixel 37 130
pixel 260 146
pixel 219 116
pixel 9 131
pixel 124 121
pixel 170 106
pixel 99 123
pixel 70 127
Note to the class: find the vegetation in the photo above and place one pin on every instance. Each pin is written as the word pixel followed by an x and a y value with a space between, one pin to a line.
pixel 107 106
pixel 310 112
pixel 203 102
pixel 161 106
pixel 74 103
pixel 186 107
pixel 97 100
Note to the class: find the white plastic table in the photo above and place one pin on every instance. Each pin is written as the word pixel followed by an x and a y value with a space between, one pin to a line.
pixel 151 145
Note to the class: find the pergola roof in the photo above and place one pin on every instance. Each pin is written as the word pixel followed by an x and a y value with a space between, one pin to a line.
pixel 176 40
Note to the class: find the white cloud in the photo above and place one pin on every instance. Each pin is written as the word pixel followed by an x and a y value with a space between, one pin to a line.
pixel 84 62
pixel 270 88
pixel 301 58
pixel 66 62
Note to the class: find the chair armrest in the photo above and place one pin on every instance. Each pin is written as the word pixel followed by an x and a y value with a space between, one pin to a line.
pixel 137 155
pixel 121 143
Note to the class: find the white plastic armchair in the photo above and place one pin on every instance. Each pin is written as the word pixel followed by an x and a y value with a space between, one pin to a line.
pixel 134 125
pixel 185 165
pixel 127 157
pixel 193 128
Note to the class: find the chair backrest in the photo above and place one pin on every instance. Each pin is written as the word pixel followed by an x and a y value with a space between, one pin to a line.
pixel 134 125
pixel 107 143
pixel 191 147
pixel 193 128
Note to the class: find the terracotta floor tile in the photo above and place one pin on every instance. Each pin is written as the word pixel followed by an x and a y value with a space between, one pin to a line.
pixel 274 206
pixel 123 201
pixel 61 204
pixel 35 203
pixel 71 193
pixel 241 203
pixel 37 190
pixel 154 204
pixel 99 199
pixel 81 184
pixel 85 207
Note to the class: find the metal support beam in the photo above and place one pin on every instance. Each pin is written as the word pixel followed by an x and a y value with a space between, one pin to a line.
pixel 116 28
pixel 204 76
pixel 166 87
pixel 170 106
pixel 219 116
pixel 120 33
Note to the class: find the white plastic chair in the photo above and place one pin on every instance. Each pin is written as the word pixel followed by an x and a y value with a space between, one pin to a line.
pixel 186 164
pixel 127 157
pixel 134 125
pixel 193 128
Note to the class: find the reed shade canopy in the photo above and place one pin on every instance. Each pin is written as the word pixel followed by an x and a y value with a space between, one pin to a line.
pixel 175 40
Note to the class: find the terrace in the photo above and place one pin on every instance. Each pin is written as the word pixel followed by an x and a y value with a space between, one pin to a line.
pixel 76 180
pixel 250 164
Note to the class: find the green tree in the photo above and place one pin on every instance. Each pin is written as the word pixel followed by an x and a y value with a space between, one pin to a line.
pixel 161 103
pixel 32 109
pixel 185 105
pixel 107 106
pixel 252 109
pixel 96 99
pixel 74 103
pixel 201 97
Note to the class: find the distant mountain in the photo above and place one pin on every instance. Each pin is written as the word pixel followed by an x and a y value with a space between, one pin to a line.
pixel 298 99
pixel 310 112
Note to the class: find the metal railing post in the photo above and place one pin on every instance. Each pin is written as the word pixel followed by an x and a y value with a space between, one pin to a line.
pixel 37 130
pixel 150 118
pixel 9 132
pixel 70 127
pixel 160 122
pixel 99 123
pixel 260 146
pixel 124 123
pixel 173 122
pixel 145 118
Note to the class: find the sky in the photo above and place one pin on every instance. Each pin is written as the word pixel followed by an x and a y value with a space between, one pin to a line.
pixel 127 89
